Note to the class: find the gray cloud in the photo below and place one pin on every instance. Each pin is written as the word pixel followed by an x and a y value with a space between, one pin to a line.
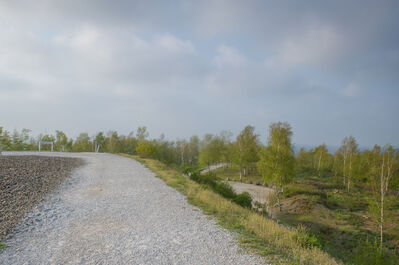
pixel 191 67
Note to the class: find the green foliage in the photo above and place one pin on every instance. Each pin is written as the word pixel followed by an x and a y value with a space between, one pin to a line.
pixel 306 239
pixel 277 159
pixel 3 246
pixel 146 148
pixel 83 143
pixel 246 148
pixel 206 179
pixel 142 134
pixel 225 189
pixel 212 150
pixel 244 199
pixel 370 253
pixel 112 142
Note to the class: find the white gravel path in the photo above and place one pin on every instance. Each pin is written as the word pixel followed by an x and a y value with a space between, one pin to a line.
pixel 113 210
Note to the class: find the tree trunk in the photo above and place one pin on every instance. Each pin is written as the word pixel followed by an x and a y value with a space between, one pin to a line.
pixel 278 197
pixel 343 169
pixel 318 167
pixel 240 174
pixel 350 172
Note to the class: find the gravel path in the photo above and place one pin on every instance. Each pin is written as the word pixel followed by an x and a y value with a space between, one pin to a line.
pixel 113 210
pixel 25 181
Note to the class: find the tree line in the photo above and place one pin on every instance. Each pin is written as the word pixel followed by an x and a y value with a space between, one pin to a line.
pixel 377 170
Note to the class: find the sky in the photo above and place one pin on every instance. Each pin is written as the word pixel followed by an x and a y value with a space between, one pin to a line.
pixel 328 68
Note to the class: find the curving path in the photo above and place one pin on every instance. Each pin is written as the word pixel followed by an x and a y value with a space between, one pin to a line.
pixel 113 210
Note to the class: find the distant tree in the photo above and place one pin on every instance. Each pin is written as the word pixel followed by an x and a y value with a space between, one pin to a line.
pixel 128 144
pixel 246 149
pixel 146 148
pixel 277 158
pixel 212 150
pixel 193 147
pixel 17 141
pixel 347 152
pixel 100 141
pixel 304 159
pixel 5 140
pixel 62 144
pixel 112 142
pixel 142 134
pixel 182 149
pixel 82 143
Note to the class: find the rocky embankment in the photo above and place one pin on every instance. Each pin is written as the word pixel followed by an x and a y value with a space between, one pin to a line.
pixel 25 181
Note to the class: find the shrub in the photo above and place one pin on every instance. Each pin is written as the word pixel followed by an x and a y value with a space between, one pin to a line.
pixel 207 179
pixel 244 199
pixel 307 240
pixel 370 253
pixel 225 189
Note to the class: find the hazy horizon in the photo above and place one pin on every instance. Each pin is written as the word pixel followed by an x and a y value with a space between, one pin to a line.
pixel 183 68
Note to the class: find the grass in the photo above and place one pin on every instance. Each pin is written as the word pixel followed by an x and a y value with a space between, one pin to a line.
pixel 336 220
pixel 278 244
pixel 3 246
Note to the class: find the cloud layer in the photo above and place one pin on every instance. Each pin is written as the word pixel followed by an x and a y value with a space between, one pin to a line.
pixel 192 67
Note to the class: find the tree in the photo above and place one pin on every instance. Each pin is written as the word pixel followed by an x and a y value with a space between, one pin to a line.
pixel 146 148
pixel 277 158
pixel 112 142
pixel 5 140
pixel 246 149
pixel 82 143
pixel 348 150
pixel 382 168
pixel 193 147
pixel 100 141
pixel 142 134
pixel 61 143
pixel 17 141
pixel 304 159
pixel 212 150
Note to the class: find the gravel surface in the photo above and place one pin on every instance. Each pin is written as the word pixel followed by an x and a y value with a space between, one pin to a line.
pixel 24 182
pixel 113 210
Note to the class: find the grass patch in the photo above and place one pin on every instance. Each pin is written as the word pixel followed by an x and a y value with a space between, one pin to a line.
pixel 264 236
pixel 3 246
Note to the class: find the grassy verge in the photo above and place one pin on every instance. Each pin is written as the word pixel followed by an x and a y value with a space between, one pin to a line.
pixel 3 246
pixel 277 243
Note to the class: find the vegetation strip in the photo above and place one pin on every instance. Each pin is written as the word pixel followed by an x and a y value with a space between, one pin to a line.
pixel 263 235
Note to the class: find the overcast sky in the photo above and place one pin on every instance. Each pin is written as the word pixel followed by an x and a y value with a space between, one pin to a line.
pixel 329 68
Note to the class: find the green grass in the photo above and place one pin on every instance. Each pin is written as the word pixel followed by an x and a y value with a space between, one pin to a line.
pixel 278 244
pixel 3 246
pixel 338 220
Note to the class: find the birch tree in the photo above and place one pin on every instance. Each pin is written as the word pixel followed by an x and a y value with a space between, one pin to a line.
pixel 277 159
pixel 382 168
pixel 348 151
pixel 246 149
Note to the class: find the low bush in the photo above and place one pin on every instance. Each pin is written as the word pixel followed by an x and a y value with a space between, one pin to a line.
pixel 244 199
pixel 206 179
pixel 225 189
